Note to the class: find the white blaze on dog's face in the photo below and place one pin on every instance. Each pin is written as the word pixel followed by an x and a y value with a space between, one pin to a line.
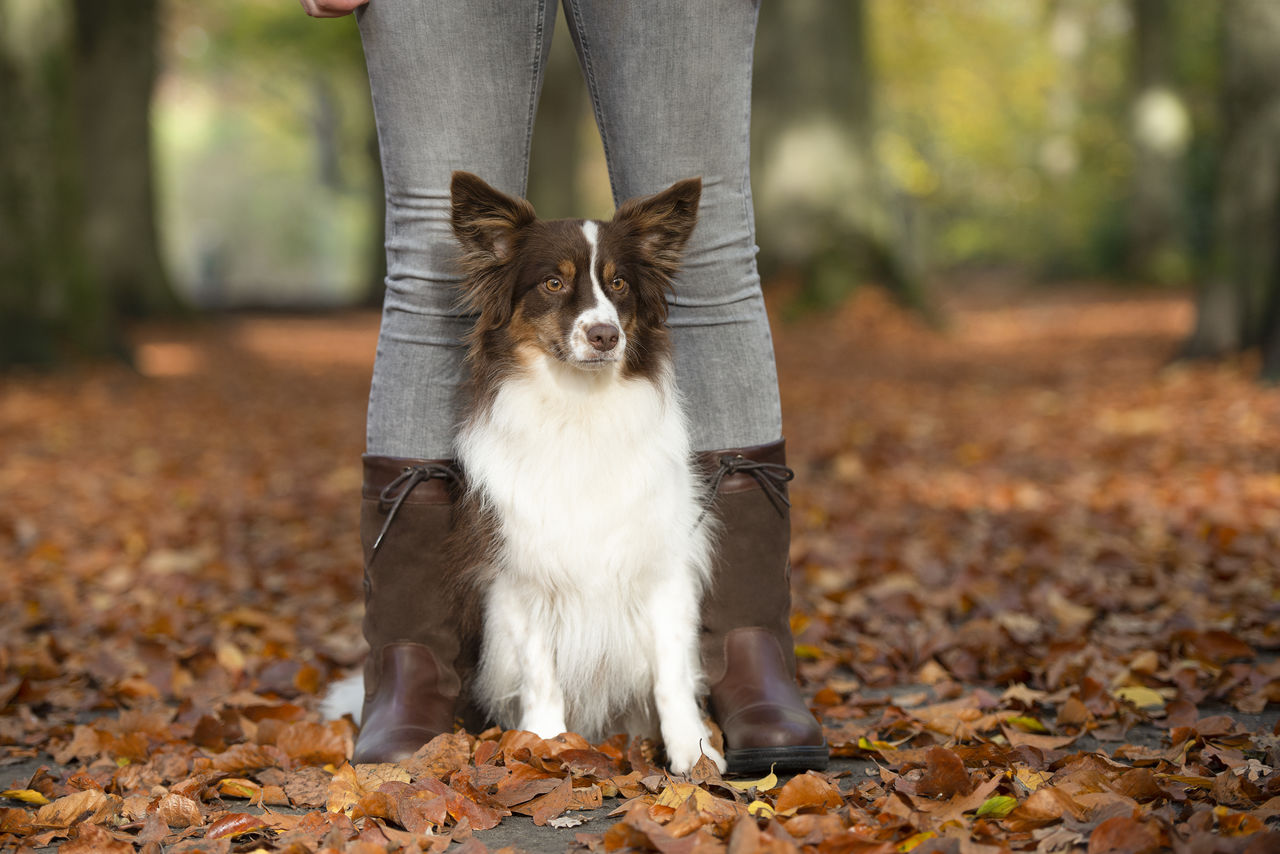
pixel 597 336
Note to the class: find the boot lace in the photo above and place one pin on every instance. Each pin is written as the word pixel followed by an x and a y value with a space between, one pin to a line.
pixel 772 477
pixel 395 492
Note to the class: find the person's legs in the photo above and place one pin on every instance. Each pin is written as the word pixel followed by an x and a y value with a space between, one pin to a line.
pixel 454 87
pixel 671 84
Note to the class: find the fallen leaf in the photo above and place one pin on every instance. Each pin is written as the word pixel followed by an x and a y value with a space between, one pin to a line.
pixel 26 796
pixel 237 824
pixel 944 775
pixel 807 791
pixel 1127 835
pixel 179 811
pixel 1140 696
pixel 997 806
pixel 764 784
pixel 91 805
pixel 552 804
pixel 92 839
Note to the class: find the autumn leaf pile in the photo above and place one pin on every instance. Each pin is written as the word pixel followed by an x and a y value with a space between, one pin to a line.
pixel 1037 573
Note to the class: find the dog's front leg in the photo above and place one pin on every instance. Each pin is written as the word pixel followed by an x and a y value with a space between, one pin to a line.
pixel 541 700
pixel 673 609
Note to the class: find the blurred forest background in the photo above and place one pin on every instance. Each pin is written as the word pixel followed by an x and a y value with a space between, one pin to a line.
pixel 160 157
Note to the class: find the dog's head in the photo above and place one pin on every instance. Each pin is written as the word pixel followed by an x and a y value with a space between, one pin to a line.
pixel 589 294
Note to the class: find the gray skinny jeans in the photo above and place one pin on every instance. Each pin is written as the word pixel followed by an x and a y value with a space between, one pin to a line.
pixel 455 85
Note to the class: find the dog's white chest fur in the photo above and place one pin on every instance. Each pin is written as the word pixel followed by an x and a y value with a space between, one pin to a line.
pixel 592 616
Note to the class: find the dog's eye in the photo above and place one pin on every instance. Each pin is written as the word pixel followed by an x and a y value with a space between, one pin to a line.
pixel 553 285
pixel 618 284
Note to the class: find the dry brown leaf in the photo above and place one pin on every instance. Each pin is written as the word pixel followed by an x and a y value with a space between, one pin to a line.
pixel 308 786
pixel 589 763
pixel 422 811
pixel 523 783
pixel 91 805
pixel 238 824
pixel 1045 805
pixel 1126 836
pixel 179 811
pixel 944 775
pixel 94 839
pixel 316 744
pixel 440 757
pixel 1041 742
pixel 344 791
pixel 550 805
pixel 247 758
pixel 14 820
pixel 807 792
pixel 375 805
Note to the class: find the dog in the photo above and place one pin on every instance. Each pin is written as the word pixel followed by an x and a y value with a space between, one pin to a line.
pixel 581 546
pixel 581 540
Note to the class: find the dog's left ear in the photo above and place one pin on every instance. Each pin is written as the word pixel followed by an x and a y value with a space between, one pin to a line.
pixel 485 220
pixel 663 222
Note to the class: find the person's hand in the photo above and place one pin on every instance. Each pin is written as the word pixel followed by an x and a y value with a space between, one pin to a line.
pixel 330 8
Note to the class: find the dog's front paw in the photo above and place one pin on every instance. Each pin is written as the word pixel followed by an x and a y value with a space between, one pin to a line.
pixel 682 756
pixel 545 724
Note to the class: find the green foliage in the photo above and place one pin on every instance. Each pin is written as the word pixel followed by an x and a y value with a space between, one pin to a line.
pixel 265 153
pixel 1006 123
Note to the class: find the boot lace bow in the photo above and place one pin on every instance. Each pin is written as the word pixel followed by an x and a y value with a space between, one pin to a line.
pixel 395 492
pixel 772 477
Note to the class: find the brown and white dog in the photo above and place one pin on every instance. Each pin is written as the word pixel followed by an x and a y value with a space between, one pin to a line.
pixel 580 547
pixel 580 536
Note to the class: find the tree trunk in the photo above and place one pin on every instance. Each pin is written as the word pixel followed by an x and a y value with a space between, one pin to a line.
pixel 1160 133
pixel 51 302
pixel 1236 306
pixel 115 69
pixel 822 210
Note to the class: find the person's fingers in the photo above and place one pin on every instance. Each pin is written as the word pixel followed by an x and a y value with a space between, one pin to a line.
pixel 330 8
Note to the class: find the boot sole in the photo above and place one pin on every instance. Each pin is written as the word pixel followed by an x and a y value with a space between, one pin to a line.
pixel 752 761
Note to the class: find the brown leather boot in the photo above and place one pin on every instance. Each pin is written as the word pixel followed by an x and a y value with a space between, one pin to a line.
pixel 410 681
pixel 748 653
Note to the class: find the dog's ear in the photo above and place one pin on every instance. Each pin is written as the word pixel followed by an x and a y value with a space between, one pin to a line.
pixel 663 222
pixel 486 220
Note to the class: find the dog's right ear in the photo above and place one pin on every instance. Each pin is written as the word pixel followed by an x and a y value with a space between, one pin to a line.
pixel 486 220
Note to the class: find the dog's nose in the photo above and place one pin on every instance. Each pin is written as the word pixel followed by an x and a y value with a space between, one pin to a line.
pixel 603 337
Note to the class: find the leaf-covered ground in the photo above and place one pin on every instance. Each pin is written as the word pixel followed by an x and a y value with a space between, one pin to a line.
pixel 1037 577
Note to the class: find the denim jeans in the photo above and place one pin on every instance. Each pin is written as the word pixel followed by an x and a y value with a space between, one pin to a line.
pixel 455 85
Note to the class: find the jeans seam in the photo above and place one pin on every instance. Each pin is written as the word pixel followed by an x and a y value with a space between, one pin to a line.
pixel 748 205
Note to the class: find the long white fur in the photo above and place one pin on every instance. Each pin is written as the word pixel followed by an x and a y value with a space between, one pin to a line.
pixel 592 619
